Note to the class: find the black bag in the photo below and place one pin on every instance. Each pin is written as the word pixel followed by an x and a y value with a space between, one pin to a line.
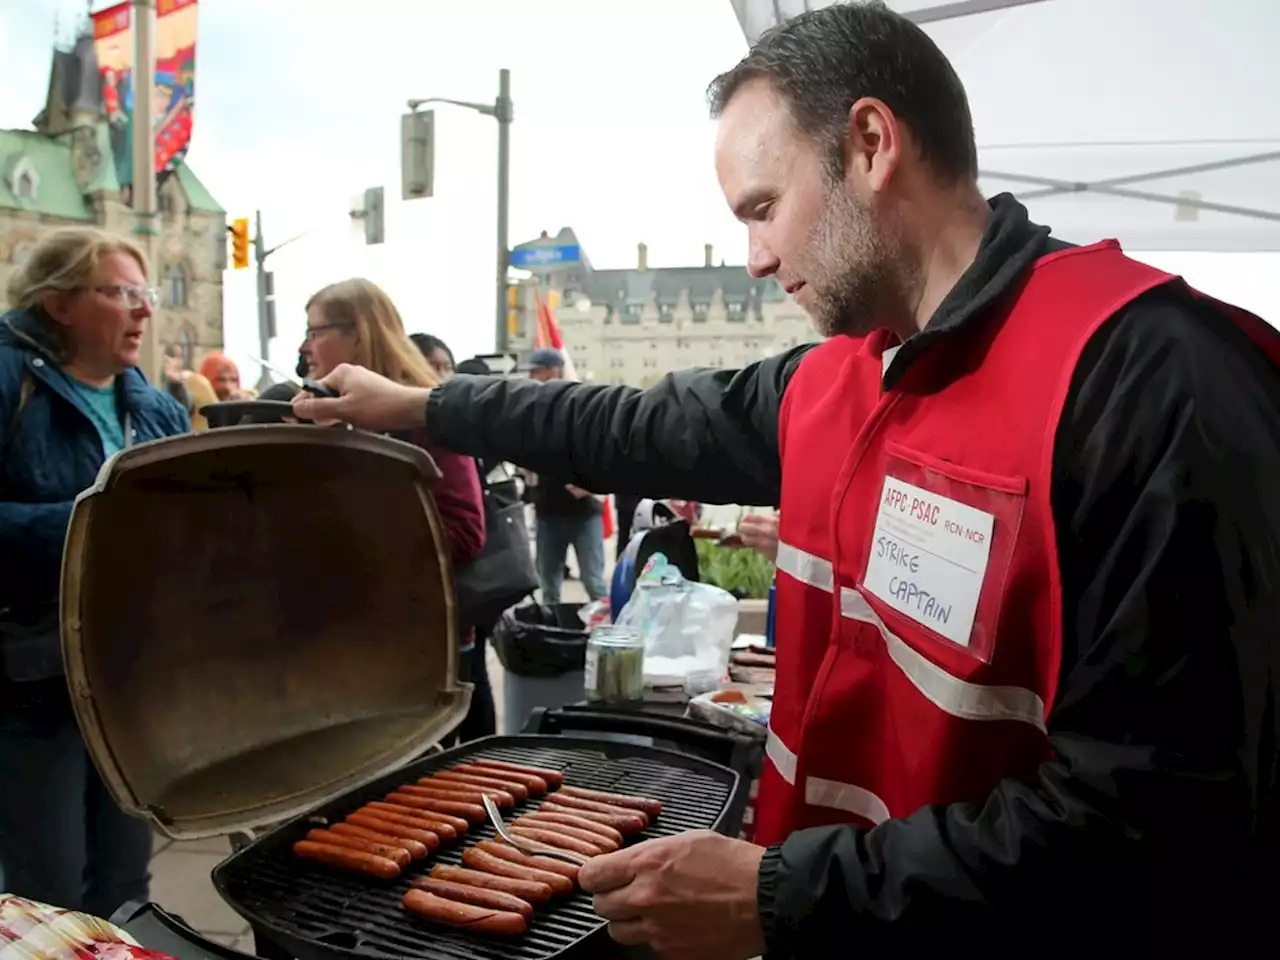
pixel 504 573
pixel 536 641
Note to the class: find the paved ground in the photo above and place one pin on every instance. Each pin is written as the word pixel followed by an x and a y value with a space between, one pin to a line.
pixel 180 871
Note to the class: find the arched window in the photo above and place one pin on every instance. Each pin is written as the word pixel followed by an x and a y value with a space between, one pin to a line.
pixel 175 285
pixel 21 252
pixel 187 346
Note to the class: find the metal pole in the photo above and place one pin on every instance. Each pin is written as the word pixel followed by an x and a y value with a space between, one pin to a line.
pixel 264 316
pixel 143 13
pixel 503 112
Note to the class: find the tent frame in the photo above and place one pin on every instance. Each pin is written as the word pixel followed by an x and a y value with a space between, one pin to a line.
pixel 1111 186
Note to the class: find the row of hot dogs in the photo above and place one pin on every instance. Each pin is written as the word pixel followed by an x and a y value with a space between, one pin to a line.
pixel 496 888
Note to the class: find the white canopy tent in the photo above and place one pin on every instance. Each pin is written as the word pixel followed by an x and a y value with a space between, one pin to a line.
pixel 1153 121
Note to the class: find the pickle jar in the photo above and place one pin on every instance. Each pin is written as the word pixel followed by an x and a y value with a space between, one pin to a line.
pixel 614 670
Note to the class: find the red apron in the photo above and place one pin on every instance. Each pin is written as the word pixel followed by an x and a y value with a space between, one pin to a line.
pixel 918 597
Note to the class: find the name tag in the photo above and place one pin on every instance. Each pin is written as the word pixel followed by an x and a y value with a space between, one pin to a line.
pixel 929 556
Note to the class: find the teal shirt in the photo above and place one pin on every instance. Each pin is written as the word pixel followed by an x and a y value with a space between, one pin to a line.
pixel 105 414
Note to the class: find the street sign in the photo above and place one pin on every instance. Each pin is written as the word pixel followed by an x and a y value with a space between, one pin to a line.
pixel 500 364
pixel 543 255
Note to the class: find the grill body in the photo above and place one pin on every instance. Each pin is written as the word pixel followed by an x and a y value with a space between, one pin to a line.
pixel 313 913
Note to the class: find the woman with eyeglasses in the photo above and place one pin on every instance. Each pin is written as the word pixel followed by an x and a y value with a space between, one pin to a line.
pixel 354 321
pixel 71 395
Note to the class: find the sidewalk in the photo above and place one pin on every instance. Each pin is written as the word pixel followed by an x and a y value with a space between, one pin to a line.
pixel 180 871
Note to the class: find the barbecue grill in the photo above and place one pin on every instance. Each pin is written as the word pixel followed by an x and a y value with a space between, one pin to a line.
pixel 284 648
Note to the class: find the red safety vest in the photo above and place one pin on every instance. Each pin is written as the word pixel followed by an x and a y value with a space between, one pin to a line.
pixel 918 598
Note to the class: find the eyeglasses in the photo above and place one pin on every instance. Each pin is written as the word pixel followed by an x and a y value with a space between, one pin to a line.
pixel 319 328
pixel 133 297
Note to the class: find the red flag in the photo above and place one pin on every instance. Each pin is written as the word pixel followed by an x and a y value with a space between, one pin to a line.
pixel 548 334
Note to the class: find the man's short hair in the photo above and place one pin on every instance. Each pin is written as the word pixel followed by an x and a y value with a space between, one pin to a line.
pixel 823 61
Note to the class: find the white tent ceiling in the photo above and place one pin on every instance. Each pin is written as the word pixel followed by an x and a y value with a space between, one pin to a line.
pixel 1148 120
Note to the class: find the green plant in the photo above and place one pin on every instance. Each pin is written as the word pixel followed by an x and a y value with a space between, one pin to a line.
pixel 744 573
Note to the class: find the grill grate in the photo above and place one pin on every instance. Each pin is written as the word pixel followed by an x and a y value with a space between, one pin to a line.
pixel 316 913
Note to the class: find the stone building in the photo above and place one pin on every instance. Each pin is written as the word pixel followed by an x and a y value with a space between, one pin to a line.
pixel 61 173
pixel 633 325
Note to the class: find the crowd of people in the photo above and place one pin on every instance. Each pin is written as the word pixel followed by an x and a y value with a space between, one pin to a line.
pixel 1026 657
pixel 71 396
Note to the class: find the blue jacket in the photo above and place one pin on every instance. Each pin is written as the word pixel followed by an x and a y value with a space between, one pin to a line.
pixel 49 452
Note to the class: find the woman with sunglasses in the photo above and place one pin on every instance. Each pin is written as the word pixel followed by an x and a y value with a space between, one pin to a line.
pixel 71 396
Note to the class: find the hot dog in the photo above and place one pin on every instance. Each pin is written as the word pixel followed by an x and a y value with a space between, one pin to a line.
pixel 397 855
pixel 647 805
pixel 478 896
pixel 471 811
pixel 502 923
pixel 354 860
pixel 603 844
pixel 511 854
pixel 578 803
pixel 411 818
pixel 553 778
pixel 517 790
pixel 458 791
pixel 559 840
pixel 416 850
pixel 582 823
pixel 478 859
pixel 532 782
pixel 372 821
pixel 626 822
pixel 459 824
pixel 531 891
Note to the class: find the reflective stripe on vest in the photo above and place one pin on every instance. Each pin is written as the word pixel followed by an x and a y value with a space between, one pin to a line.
pixel 959 698
pixel 820 792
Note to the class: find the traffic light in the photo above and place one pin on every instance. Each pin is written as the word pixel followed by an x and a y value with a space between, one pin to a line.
pixel 417 154
pixel 513 310
pixel 239 231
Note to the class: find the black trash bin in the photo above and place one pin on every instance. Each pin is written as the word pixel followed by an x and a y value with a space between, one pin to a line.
pixel 543 651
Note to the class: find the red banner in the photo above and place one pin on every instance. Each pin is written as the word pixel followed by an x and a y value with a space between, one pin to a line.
pixel 175 42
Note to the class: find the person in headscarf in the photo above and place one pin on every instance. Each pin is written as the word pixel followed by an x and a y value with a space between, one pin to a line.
pixel 221 371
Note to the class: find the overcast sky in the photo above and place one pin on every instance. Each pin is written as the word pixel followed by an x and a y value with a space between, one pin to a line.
pixel 298 105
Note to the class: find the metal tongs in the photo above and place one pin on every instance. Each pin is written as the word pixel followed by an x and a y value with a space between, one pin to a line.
pixel 310 386
pixel 531 847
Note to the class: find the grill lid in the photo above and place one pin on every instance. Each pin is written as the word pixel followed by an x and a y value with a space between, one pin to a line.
pixel 257 619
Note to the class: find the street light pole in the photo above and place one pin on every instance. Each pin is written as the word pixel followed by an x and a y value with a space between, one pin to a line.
pixel 503 111
pixel 265 318
pixel 143 191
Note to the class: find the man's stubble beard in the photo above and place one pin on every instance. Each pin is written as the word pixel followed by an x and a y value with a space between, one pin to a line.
pixel 860 268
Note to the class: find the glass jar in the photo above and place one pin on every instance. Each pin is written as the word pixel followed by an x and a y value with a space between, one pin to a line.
pixel 614 669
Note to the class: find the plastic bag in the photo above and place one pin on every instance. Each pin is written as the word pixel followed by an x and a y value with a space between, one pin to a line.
pixel 687 627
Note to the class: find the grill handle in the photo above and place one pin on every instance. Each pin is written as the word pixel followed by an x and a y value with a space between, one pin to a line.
pixel 743 755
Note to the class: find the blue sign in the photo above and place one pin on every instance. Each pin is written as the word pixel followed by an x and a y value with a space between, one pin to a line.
pixel 541 255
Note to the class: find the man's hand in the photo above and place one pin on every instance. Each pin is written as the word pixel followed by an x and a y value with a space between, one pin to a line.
pixel 578 492
pixel 760 533
pixel 368 401
pixel 689 896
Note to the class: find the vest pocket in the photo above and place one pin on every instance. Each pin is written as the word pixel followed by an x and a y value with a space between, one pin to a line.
pixel 941 549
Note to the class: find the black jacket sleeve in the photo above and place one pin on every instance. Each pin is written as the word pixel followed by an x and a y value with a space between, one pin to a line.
pixel 706 435
pixel 1166 495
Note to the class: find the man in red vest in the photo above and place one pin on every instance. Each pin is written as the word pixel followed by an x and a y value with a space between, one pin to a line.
pixel 1029 557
